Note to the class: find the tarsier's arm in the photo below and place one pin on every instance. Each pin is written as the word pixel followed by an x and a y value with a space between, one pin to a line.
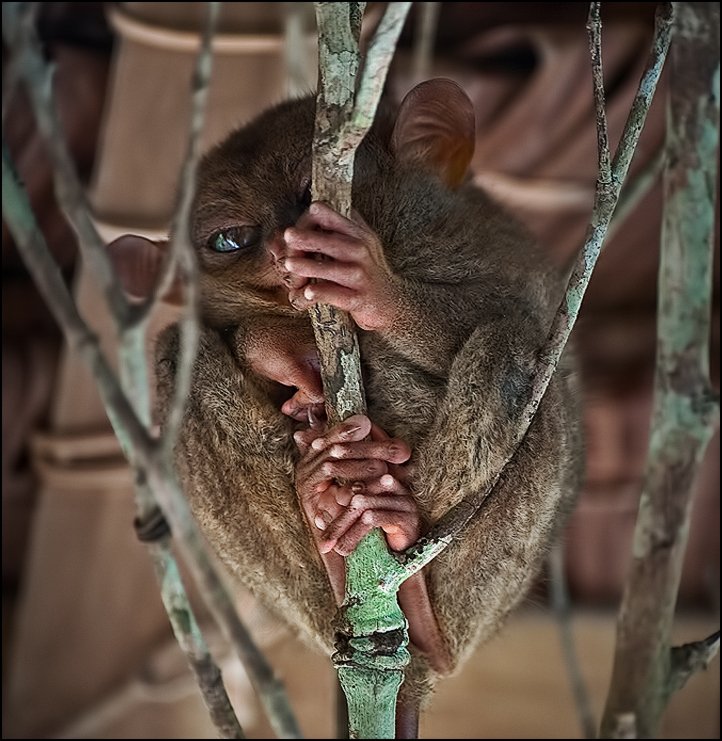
pixel 340 261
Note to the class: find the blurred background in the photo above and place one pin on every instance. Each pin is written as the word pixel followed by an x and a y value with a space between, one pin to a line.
pixel 87 650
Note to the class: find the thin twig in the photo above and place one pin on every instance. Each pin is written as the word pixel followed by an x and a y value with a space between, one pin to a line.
pixel 181 247
pixel 11 69
pixel 134 379
pixel 690 658
pixel 594 28
pixel 376 66
pixel 606 197
pixel 562 611
pixel 190 639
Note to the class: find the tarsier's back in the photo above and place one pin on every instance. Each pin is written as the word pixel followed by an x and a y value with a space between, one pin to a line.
pixel 466 303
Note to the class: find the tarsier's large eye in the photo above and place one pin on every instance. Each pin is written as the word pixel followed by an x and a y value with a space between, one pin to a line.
pixel 235 238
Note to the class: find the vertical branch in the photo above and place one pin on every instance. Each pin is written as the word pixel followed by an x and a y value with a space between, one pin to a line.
pixel 366 669
pixel 646 671
pixel 594 28
pixel 181 250
pixel 331 178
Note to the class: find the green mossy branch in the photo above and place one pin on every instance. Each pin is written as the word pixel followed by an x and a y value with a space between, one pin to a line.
pixel 369 614
pixel 685 412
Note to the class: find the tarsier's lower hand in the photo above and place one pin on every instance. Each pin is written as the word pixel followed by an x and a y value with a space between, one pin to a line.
pixel 375 495
pixel 346 263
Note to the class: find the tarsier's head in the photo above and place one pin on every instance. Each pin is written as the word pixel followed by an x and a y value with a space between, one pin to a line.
pixel 257 182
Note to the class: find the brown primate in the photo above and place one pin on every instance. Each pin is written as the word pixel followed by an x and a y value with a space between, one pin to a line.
pixel 453 301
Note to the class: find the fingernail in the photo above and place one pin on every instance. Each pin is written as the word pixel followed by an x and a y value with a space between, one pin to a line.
pixel 298 438
pixel 317 444
pixel 387 481
pixel 308 292
pixel 319 522
pixel 358 487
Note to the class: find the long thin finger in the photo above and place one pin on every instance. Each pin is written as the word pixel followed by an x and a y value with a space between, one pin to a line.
pixel 346 299
pixel 341 272
pixel 322 215
pixel 338 528
pixel 355 428
pixel 387 503
pixel 392 451
pixel 334 245
pixel 347 543
pixel 402 528
pixel 364 470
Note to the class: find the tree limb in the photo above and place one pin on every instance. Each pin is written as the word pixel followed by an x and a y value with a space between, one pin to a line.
pixel 685 410
pixel 366 666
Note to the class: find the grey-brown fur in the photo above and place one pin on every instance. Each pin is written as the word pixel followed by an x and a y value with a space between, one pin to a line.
pixel 479 300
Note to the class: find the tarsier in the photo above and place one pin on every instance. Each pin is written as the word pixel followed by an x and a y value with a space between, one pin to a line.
pixel 453 301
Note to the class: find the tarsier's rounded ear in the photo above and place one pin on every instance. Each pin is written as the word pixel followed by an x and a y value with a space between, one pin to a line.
pixel 436 127
pixel 137 263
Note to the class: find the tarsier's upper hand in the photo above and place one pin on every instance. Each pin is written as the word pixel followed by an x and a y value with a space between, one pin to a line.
pixel 375 495
pixel 351 274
